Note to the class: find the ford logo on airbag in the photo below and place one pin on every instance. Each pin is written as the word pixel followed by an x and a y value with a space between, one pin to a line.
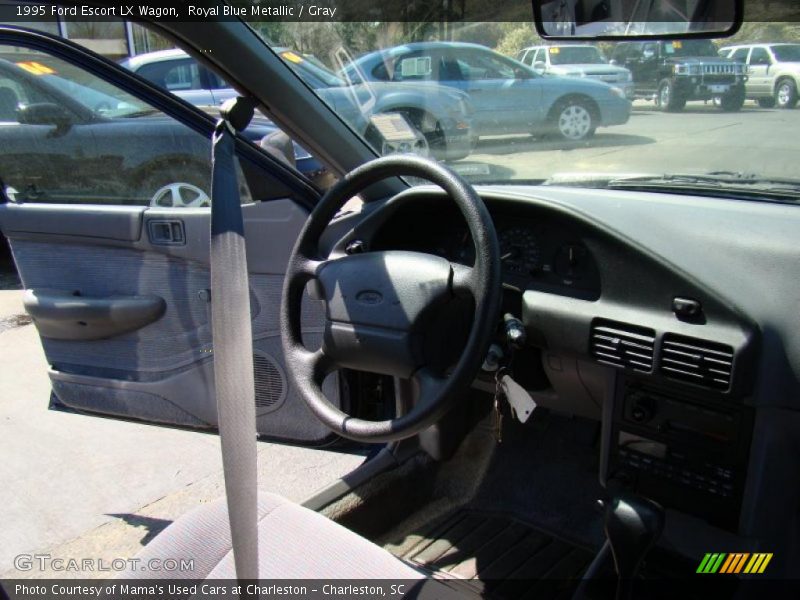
pixel 369 297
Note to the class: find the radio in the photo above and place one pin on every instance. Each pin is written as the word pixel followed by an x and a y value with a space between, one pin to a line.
pixel 685 451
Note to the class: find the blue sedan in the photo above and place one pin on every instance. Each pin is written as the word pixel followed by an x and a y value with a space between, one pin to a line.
pixel 508 97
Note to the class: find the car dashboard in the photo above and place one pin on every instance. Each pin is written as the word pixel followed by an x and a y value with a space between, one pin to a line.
pixel 669 319
pixel 546 255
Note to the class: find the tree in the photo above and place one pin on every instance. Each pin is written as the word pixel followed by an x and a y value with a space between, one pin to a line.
pixel 521 36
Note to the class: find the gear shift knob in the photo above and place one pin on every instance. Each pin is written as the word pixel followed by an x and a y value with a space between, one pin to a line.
pixel 632 526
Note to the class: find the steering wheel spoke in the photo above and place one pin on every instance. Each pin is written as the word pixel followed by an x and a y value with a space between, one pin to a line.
pixel 462 282
pixel 429 384
pixel 317 364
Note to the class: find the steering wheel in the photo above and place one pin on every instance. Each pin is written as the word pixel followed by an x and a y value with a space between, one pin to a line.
pixel 377 304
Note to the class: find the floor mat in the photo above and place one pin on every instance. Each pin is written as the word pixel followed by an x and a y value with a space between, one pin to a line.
pixel 502 556
pixel 546 472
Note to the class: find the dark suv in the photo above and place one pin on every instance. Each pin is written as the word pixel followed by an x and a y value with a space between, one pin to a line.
pixel 676 71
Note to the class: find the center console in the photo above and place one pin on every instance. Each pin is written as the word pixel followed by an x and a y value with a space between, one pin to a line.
pixel 687 450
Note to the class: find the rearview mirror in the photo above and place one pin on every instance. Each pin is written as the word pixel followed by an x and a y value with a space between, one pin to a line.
pixel 620 19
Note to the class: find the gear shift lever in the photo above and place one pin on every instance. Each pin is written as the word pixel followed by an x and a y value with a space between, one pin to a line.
pixel 632 526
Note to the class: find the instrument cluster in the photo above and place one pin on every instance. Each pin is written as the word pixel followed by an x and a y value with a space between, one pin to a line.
pixel 538 254
pixel 547 257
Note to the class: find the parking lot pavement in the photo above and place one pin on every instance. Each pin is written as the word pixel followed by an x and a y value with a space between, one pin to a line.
pixel 76 486
pixel 701 137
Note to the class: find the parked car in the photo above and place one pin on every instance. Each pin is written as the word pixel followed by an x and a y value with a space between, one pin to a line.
pixel 673 72
pixel 442 116
pixel 773 72
pixel 164 163
pixel 508 96
pixel 577 60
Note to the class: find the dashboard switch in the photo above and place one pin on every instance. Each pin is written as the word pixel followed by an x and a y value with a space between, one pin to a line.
pixel 686 307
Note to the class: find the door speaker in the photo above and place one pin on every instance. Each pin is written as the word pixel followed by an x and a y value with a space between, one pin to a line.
pixel 270 382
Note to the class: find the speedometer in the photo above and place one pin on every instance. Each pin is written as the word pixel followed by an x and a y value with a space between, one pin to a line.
pixel 519 251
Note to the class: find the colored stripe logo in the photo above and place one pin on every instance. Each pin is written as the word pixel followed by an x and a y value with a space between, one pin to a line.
pixel 734 562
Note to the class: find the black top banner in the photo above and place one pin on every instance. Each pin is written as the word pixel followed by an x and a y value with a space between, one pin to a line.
pixel 354 10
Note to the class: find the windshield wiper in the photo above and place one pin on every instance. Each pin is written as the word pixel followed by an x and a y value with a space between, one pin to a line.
pixel 737 184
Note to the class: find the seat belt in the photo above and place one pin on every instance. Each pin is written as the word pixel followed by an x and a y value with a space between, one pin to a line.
pixel 232 340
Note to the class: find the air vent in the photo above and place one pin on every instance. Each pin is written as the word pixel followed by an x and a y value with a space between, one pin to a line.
pixel 701 362
pixel 623 345
pixel 270 382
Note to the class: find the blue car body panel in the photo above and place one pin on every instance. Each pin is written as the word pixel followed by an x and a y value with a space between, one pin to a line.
pixel 511 98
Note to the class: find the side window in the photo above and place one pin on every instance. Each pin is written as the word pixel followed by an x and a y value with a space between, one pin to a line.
pixel 15 94
pixel 173 75
pixel 530 57
pixel 71 137
pixel 650 49
pixel 740 55
pixel 632 51
pixel 413 67
pixel 379 72
pixel 759 56
pixel 215 82
pixel 478 66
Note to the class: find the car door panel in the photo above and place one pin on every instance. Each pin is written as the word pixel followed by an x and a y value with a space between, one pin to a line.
pixel 63 315
pixel 88 254
pixel 108 223
pixel 759 68
pixel 503 103
pixel 166 365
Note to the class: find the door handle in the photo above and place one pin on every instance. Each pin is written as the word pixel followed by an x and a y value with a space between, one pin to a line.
pixel 61 315
pixel 166 232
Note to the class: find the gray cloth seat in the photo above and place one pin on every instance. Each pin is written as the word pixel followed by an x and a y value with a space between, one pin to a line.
pixel 293 543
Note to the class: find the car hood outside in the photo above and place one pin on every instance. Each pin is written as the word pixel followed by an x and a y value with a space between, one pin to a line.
pixel 588 69
pixel 697 60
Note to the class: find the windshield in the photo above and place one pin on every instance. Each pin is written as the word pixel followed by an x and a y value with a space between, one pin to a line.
pixel 690 48
pixel 459 95
pixel 34 77
pixel 787 52
pixel 571 55
pixel 100 103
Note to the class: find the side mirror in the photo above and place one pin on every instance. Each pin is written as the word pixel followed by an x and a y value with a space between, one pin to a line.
pixel 613 61
pixel 45 113
pixel 521 73
pixel 280 146
pixel 648 54
pixel 539 66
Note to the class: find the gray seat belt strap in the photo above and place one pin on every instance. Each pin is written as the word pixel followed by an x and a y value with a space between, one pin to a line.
pixel 232 339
